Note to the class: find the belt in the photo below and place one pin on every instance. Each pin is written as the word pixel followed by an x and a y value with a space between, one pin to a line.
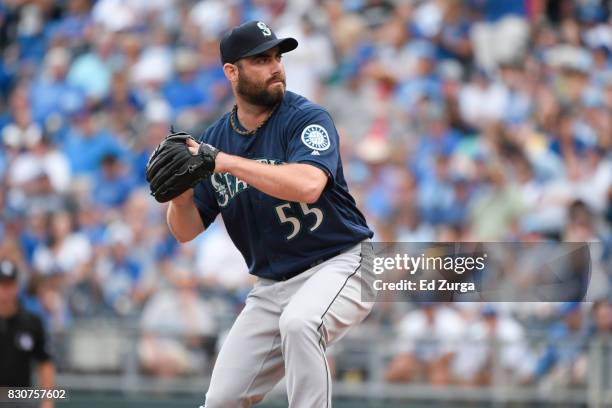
pixel 319 261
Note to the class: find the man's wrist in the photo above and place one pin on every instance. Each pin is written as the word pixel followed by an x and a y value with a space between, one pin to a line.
pixel 183 200
pixel 223 163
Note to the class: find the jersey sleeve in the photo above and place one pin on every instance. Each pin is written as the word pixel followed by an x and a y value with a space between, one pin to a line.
pixel 314 140
pixel 206 202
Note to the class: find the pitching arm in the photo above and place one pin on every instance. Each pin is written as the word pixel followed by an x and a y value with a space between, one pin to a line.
pixel 297 182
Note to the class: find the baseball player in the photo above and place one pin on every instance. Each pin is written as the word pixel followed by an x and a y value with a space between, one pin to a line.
pixel 276 177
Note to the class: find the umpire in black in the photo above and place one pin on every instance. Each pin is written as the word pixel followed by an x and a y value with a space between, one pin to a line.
pixel 23 342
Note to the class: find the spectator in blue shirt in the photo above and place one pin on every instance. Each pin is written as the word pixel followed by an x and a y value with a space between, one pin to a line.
pixel 85 145
pixel 437 193
pixel 112 185
pixel 182 93
pixel 436 138
pixel 453 40
pixel 34 233
pixel 51 93
pixel 72 26
pixel 118 274
pixel 6 77
pixel 426 83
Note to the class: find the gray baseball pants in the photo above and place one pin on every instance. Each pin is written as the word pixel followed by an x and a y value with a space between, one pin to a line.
pixel 284 329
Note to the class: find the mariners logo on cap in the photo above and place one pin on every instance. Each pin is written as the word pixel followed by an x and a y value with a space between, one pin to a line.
pixel 316 138
pixel 265 30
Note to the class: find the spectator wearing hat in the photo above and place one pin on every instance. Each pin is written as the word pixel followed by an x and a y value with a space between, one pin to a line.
pixel 22 338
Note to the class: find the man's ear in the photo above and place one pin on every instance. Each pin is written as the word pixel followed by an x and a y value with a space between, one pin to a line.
pixel 231 72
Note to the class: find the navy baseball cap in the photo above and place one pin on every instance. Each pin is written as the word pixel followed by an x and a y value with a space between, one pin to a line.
pixel 8 270
pixel 252 38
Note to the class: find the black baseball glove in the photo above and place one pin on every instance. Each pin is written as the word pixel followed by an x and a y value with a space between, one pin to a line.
pixel 172 169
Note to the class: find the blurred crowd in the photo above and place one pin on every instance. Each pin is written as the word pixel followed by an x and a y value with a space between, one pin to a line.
pixel 481 120
pixel 492 344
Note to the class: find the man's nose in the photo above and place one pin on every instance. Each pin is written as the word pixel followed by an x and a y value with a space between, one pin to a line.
pixel 276 67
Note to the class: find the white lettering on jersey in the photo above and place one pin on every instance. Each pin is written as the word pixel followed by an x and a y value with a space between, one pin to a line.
pixel 227 186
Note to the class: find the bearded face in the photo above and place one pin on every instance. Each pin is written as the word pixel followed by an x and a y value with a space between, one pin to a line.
pixel 259 92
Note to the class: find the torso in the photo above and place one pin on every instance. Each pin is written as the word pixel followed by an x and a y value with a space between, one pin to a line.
pixel 279 239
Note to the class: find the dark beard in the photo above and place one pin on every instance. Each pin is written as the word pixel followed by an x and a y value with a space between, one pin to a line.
pixel 258 93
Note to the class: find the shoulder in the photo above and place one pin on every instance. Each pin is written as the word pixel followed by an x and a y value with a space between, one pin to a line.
pixel 303 118
pixel 298 107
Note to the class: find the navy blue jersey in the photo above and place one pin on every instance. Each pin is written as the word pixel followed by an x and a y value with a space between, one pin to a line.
pixel 280 239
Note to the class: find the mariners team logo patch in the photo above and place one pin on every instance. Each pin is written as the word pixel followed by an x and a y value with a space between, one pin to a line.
pixel 316 138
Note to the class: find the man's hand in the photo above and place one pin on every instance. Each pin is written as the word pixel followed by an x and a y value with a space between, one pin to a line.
pixel 186 198
pixel 193 146
pixel 297 182
pixel 177 165
pixel 222 161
